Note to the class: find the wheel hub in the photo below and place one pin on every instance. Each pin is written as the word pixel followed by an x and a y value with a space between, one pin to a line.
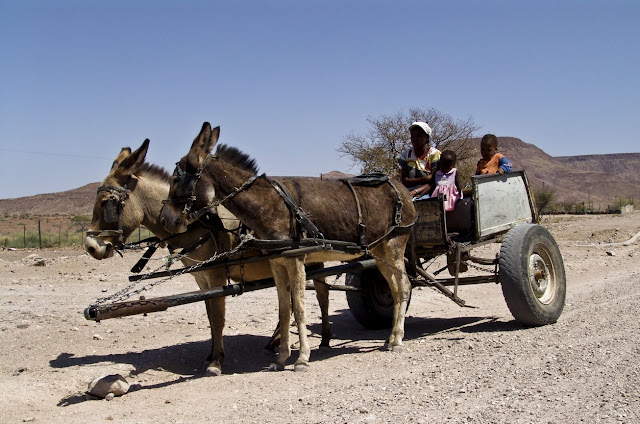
pixel 540 278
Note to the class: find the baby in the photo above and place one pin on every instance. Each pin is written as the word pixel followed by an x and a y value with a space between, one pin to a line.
pixel 492 162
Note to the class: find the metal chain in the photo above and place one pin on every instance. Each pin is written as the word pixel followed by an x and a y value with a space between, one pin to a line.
pixel 479 268
pixel 128 291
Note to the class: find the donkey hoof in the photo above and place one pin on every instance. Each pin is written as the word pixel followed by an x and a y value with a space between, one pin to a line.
pixel 212 371
pixel 301 367
pixel 275 367
pixel 398 348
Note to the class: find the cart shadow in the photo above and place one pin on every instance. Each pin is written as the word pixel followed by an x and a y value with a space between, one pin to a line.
pixel 346 330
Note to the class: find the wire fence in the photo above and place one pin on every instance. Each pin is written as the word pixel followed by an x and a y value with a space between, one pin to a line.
pixel 34 234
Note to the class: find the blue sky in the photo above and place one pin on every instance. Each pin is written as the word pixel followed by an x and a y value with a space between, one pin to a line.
pixel 288 80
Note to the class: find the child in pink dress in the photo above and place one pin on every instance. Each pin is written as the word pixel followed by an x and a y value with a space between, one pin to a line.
pixel 447 181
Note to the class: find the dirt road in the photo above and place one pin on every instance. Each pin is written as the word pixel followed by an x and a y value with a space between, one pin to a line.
pixel 460 366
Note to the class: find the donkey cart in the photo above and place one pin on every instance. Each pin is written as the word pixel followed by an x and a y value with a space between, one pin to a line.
pixel 529 266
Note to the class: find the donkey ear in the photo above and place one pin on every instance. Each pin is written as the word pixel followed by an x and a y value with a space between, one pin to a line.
pixel 132 162
pixel 213 140
pixel 124 153
pixel 206 140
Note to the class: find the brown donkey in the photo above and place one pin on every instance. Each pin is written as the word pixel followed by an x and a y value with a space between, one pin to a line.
pixel 138 190
pixel 334 209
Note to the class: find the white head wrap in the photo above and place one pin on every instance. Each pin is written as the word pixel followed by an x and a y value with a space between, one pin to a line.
pixel 425 127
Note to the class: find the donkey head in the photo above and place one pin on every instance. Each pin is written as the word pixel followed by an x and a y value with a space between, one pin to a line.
pixel 187 193
pixel 115 214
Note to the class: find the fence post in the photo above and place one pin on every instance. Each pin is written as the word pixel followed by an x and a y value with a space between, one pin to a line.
pixel 39 235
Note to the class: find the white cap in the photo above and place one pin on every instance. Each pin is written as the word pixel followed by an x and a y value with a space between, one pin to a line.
pixel 426 128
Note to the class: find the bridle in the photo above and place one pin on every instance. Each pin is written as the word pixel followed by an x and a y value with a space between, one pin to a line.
pixel 185 192
pixel 113 207
pixel 186 187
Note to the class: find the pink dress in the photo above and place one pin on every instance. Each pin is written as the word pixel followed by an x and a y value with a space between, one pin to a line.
pixel 446 184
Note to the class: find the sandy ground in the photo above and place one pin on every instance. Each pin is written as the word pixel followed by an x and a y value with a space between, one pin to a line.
pixel 460 366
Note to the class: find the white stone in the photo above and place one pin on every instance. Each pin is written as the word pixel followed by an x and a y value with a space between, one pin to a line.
pixel 102 386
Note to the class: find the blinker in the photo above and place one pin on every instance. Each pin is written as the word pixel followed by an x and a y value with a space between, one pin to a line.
pixel 184 185
pixel 111 211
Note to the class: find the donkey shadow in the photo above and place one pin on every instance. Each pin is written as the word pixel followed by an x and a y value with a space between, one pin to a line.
pixel 245 352
pixel 183 359
pixel 182 362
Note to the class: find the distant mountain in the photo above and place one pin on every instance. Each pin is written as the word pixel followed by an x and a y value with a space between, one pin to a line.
pixel 78 201
pixel 596 178
pixel 601 179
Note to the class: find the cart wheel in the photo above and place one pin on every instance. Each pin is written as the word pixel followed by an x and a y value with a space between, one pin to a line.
pixel 373 306
pixel 532 275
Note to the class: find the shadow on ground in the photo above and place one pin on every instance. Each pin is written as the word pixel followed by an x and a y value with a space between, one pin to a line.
pixel 244 353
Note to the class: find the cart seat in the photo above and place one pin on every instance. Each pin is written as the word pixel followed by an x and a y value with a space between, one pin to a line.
pixel 460 220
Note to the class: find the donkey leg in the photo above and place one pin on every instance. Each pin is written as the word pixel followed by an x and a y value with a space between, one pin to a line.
pixel 274 342
pixel 322 294
pixel 391 265
pixel 284 314
pixel 297 278
pixel 216 312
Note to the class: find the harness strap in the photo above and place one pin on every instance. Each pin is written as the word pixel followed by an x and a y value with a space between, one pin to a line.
pixel 197 244
pixel 151 240
pixel 361 226
pixel 192 217
pixel 146 256
pixel 139 266
pixel 301 216
pixel 397 216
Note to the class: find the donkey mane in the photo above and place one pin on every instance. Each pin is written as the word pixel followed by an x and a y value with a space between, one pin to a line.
pixel 237 158
pixel 154 171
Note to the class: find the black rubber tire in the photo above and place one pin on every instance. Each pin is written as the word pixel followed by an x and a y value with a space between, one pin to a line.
pixel 532 275
pixel 373 305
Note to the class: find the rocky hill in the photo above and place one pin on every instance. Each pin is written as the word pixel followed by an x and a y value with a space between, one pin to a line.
pixel 599 179
pixel 78 201
pixel 596 178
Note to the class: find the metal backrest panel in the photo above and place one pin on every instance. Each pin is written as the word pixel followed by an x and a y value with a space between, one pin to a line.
pixel 430 225
pixel 502 201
